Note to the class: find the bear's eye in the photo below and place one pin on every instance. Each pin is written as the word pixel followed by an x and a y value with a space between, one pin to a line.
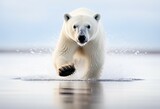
pixel 88 26
pixel 74 26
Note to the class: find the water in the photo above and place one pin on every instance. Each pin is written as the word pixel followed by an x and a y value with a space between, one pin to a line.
pixel 128 82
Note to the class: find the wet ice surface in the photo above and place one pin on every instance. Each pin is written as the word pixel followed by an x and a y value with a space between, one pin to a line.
pixel 29 82
pixel 46 78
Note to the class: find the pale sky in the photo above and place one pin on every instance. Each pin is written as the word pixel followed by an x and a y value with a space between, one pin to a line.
pixel 37 23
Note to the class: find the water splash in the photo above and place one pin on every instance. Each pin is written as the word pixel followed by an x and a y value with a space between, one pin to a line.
pixel 126 51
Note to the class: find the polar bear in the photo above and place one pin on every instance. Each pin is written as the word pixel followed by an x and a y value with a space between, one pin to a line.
pixel 82 36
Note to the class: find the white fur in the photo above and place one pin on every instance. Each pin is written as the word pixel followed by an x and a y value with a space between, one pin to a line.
pixel 68 48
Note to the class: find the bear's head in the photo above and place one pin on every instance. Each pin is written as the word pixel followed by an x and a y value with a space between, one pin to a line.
pixel 81 28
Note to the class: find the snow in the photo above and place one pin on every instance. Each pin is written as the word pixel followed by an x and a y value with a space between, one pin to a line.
pixel 116 66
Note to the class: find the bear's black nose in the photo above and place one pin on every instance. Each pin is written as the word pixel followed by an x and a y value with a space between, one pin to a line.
pixel 82 39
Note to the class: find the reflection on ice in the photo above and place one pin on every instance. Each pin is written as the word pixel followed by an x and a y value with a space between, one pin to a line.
pixel 79 95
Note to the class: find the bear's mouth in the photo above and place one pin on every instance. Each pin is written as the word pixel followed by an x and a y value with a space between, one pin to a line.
pixel 81 44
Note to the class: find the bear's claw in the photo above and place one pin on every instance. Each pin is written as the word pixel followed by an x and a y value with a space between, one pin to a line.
pixel 66 70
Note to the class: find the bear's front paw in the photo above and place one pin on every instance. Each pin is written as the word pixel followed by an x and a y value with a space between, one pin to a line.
pixel 66 70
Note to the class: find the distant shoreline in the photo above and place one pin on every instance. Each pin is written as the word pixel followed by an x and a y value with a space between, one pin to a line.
pixel 108 51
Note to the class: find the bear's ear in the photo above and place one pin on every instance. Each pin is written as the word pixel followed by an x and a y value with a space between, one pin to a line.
pixel 66 17
pixel 97 17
